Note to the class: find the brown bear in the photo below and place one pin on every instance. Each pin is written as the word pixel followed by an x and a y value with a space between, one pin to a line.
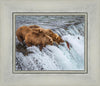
pixel 35 38
pixel 21 32
pixel 56 38
pixel 35 35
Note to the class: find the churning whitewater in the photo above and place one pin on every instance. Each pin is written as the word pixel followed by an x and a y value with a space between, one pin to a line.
pixel 53 57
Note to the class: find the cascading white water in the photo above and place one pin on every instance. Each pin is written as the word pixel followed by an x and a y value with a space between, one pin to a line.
pixel 56 57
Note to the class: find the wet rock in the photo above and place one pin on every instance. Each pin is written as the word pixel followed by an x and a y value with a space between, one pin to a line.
pixel 23 49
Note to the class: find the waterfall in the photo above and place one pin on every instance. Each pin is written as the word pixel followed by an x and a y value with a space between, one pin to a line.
pixel 56 57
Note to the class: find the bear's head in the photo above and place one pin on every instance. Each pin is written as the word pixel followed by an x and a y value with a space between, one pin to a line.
pixel 59 39
pixel 49 40
pixel 56 38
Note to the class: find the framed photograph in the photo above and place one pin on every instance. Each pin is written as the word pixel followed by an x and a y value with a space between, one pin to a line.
pixel 49 43
pixel 34 53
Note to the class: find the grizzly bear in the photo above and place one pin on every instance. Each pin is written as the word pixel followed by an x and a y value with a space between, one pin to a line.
pixel 35 35
pixel 21 32
pixel 41 39
pixel 56 38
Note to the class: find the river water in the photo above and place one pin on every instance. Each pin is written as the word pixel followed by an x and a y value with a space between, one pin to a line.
pixel 53 57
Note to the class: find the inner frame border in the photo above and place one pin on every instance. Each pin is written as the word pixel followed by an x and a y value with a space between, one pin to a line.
pixel 85 71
